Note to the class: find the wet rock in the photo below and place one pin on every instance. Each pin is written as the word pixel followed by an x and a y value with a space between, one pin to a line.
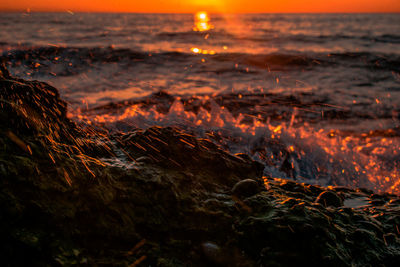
pixel 171 148
pixel 365 191
pixel 246 188
pixel 212 252
pixel 243 156
pixel 289 184
pixel 377 202
pixel 213 204
pixel 390 239
pixel 4 74
pixel 329 198
pixel 290 202
pixel 313 189
pixel 145 159
pixel 228 256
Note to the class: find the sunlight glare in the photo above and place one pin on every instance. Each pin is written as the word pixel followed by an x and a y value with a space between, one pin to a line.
pixel 202 22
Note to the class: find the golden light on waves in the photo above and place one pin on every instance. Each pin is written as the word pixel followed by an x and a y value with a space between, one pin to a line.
pixel 197 50
pixel 202 22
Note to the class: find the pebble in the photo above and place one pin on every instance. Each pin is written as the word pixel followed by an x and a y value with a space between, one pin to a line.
pixel 246 188
pixel 211 251
pixel 329 198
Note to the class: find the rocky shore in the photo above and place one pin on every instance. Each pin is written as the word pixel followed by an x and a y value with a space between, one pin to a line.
pixel 74 195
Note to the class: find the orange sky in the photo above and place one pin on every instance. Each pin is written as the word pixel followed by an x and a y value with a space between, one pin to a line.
pixel 189 6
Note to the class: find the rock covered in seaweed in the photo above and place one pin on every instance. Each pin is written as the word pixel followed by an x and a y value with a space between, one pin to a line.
pixel 170 203
pixel 31 106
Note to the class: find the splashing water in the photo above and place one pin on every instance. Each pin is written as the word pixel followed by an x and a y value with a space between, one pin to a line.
pixel 303 153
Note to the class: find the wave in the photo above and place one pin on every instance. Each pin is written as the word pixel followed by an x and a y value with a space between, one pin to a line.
pixel 322 39
pixel 288 147
pixel 220 34
pixel 76 59
pixel 273 36
pixel 310 108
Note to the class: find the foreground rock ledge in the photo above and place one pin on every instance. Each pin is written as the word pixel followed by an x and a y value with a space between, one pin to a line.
pixel 174 200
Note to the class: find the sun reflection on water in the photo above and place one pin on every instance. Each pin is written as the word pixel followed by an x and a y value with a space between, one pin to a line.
pixel 197 50
pixel 202 22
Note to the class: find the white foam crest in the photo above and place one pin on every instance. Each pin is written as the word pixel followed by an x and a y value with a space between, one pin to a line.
pixel 303 153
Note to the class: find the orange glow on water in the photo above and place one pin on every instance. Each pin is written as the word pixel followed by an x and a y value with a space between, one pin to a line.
pixel 202 22
pixel 197 50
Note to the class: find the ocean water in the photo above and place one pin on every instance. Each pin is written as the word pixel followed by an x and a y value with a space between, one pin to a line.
pixel 315 97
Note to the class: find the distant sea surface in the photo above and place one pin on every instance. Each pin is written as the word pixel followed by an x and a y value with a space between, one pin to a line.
pixel 315 97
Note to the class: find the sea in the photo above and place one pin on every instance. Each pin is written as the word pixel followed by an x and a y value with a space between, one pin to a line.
pixel 314 97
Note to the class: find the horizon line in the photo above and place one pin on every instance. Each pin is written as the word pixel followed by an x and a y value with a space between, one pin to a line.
pixel 25 11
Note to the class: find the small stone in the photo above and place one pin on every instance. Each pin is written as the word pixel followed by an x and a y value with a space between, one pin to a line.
pixel 329 198
pixel 211 251
pixel 246 188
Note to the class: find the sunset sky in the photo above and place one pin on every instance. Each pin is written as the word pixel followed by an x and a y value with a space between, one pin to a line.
pixel 188 6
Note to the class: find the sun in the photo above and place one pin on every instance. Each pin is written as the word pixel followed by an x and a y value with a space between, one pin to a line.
pixel 202 15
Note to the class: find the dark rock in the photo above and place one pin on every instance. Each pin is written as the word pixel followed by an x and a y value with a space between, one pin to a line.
pixel 212 252
pixel 365 191
pixel 144 159
pixel 329 198
pixel 171 148
pixel 4 74
pixel 246 188
pixel 243 156
pixel 377 202
pixel 390 239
